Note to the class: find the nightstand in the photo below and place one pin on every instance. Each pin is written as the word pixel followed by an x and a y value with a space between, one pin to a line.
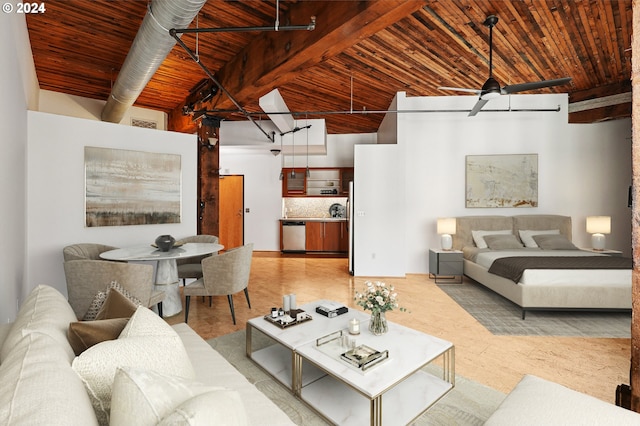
pixel 605 251
pixel 445 266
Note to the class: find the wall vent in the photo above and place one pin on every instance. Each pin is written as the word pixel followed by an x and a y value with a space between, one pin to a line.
pixel 146 124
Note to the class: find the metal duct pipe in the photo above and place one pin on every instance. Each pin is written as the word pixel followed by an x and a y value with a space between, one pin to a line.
pixel 151 45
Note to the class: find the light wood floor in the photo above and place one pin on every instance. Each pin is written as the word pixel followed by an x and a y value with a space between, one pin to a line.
pixel 590 365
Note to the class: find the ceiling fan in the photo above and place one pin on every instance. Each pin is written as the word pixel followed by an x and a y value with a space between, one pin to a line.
pixel 491 88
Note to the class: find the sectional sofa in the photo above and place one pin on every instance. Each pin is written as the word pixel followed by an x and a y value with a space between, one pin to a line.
pixel 152 373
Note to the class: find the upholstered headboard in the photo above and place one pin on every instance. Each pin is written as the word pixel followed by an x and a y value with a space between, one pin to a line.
pixel 466 224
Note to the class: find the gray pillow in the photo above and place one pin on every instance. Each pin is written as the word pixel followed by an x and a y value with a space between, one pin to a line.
pixel 554 242
pixel 502 242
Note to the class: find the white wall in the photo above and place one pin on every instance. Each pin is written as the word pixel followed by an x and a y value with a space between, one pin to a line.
pixel 91 109
pixel 583 169
pixel 55 176
pixel 19 87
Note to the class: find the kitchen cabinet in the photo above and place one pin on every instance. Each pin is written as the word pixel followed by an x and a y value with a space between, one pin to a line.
pixel 326 236
pixel 293 185
pixel 321 182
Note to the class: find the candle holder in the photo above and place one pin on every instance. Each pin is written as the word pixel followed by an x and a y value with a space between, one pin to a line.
pixel 354 326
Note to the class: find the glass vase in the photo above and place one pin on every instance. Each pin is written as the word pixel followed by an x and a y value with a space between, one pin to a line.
pixel 378 323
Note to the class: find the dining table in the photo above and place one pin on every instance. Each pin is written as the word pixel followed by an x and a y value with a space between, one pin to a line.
pixel 166 270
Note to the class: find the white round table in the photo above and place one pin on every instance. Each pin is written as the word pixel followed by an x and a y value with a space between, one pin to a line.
pixel 166 278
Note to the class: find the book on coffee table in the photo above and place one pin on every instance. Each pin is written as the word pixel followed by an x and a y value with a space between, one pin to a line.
pixel 364 356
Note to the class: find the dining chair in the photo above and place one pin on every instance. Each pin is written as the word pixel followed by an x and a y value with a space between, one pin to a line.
pixel 191 267
pixel 86 278
pixel 223 275
pixel 84 251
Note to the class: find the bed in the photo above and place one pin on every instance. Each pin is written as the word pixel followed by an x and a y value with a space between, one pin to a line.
pixel 596 287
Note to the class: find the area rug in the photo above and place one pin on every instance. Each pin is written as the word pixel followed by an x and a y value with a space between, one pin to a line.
pixel 469 403
pixel 502 317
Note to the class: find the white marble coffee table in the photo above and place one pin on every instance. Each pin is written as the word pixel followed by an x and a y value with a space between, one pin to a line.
pixel 344 394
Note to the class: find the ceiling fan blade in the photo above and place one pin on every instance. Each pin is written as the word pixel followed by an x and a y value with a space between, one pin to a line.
pixel 477 107
pixel 461 89
pixel 513 88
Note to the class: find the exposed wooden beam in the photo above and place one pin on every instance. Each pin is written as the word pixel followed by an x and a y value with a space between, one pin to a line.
pixel 279 57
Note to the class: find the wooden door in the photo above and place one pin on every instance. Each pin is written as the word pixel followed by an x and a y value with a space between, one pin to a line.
pixel 231 233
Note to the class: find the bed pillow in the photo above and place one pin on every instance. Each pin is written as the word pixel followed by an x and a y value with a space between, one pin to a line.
pixel 554 242
pixel 478 236
pixel 502 242
pixel 527 236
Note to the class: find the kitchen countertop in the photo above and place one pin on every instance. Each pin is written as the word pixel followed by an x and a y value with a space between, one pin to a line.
pixel 315 219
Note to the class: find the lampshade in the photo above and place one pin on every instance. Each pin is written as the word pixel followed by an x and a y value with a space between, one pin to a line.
pixel 599 224
pixel 446 225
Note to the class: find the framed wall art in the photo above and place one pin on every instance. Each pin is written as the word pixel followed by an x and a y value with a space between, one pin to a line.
pixel 509 180
pixel 125 187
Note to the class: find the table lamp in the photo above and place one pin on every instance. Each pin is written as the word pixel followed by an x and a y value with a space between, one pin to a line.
pixel 598 226
pixel 446 227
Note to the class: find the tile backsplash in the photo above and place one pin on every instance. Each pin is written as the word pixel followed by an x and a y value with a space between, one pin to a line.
pixel 309 206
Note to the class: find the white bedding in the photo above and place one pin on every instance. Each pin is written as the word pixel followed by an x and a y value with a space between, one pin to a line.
pixel 567 277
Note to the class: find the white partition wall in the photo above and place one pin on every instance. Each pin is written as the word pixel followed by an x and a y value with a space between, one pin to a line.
pixel 55 188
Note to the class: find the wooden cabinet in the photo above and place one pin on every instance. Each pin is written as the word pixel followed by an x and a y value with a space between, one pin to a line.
pixel 321 182
pixel 294 185
pixel 327 236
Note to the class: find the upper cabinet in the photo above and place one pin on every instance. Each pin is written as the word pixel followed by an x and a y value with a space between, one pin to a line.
pixel 321 182
pixel 294 182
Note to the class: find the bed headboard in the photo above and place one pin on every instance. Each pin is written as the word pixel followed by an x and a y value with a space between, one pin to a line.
pixel 466 224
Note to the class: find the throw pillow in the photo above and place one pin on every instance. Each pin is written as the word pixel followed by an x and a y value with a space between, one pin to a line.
pixel 478 236
pixel 162 351
pixel 527 236
pixel 117 305
pixel 95 306
pixel 554 242
pixel 84 334
pixel 502 242
pixel 154 398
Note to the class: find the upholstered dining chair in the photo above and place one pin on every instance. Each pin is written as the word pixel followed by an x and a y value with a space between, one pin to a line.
pixel 85 251
pixel 223 275
pixel 191 267
pixel 86 278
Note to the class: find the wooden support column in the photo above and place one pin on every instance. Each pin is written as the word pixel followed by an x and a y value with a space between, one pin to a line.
pixel 635 211
pixel 208 183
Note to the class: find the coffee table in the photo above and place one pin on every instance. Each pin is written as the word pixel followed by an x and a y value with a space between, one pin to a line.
pixel 344 394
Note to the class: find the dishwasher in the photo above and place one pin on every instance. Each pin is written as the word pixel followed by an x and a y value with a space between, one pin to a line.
pixel 293 236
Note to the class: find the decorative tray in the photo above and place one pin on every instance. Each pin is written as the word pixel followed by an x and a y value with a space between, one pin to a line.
pixel 360 357
pixel 176 245
pixel 284 321
pixel 364 357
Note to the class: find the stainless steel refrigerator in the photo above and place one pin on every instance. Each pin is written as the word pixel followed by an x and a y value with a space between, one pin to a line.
pixel 350 220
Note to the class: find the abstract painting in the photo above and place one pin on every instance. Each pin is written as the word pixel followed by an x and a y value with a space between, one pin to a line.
pixel 502 180
pixel 125 187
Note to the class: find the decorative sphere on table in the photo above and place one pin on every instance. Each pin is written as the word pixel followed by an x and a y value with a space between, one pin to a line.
pixel 165 242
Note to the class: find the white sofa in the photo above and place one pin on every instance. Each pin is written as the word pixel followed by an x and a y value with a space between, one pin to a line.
pixel 43 382
pixel 536 401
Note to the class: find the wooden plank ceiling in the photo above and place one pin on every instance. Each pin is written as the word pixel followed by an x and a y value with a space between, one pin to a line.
pixel 360 54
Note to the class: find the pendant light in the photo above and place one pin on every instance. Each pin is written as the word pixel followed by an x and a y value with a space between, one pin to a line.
pixel 293 155
pixel 281 159
pixel 306 122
